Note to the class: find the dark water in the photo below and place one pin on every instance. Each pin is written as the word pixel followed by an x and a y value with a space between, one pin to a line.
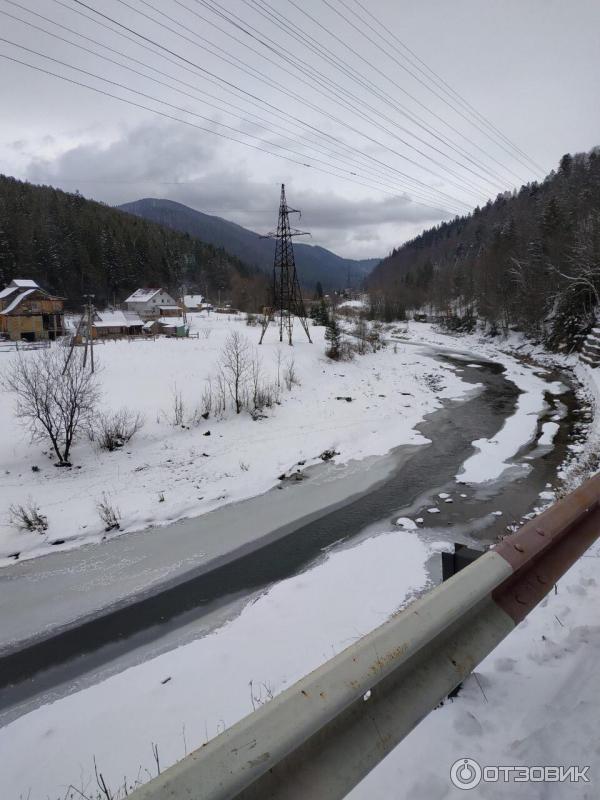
pixel 410 489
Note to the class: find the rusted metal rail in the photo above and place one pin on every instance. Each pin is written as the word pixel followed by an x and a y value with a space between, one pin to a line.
pixel 321 736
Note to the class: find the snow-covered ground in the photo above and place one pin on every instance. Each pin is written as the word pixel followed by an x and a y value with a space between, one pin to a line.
pixel 182 698
pixel 533 701
pixel 168 473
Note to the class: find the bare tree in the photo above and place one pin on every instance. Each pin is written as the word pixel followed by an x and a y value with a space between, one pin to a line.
pixel 56 396
pixel 289 374
pixel 278 361
pixel 235 364
pixel 584 261
pixel 256 378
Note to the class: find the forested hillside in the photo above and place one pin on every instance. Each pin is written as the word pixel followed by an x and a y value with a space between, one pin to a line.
pixel 530 259
pixel 73 246
pixel 315 264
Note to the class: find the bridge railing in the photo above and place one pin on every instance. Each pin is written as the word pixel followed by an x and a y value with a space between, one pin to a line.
pixel 322 735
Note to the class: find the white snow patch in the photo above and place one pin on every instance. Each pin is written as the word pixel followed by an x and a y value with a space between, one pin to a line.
pixel 549 431
pixel 283 635
pixel 241 458
pixel 406 523
pixel 493 454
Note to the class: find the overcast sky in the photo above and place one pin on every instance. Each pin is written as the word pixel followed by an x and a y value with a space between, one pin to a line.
pixel 371 144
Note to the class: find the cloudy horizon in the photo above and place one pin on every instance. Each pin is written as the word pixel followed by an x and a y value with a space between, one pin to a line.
pixel 387 158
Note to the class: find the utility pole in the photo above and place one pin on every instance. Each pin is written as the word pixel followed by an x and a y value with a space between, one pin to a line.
pixel 287 295
pixel 89 340
pixel 183 307
pixel 85 323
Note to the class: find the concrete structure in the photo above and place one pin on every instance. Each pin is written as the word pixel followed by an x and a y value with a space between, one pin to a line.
pixel 29 313
pixel 147 303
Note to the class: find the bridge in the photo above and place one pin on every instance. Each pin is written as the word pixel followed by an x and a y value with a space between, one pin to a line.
pixel 325 733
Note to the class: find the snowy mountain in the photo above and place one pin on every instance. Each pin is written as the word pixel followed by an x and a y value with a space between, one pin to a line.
pixel 314 263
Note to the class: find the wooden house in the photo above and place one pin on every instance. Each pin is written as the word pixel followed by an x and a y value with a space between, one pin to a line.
pixel 171 326
pixel 113 324
pixel 30 313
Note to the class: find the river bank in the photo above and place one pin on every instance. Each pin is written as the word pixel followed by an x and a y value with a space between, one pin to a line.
pixel 363 572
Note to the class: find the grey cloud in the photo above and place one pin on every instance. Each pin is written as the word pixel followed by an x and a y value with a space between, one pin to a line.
pixel 165 160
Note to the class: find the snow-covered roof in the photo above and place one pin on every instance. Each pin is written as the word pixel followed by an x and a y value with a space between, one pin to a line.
pixel 17 300
pixel 170 308
pixel 352 304
pixel 17 284
pixel 142 295
pixel 115 318
pixel 24 283
pixel 193 299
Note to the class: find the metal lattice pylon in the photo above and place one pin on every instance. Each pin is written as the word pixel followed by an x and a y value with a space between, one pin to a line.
pixel 287 299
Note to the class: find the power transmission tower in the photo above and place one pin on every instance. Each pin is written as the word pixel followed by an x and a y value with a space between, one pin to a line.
pixel 287 296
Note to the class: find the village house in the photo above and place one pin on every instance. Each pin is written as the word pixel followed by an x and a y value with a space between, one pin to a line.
pixel 193 302
pixel 153 303
pixel 166 326
pixel 112 324
pixel 30 313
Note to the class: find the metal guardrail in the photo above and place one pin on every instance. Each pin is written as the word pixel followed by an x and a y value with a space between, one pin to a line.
pixel 321 736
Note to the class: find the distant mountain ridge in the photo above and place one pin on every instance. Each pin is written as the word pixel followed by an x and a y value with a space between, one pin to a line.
pixel 73 246
pixel 314 263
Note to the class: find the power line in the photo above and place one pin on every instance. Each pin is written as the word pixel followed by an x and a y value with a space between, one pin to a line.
pixel 231 88
pixel 324 84
pixel 191 124
pixel 377 174
pixel 404 91
pixel 441 82
pixel 229 83
pixel 402 66
pixel 294 31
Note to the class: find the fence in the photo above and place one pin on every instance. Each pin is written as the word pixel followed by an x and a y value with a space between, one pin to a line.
pixel 10 347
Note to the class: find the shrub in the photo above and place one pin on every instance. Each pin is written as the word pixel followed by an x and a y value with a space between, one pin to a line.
pixel 290 375
pixel 113 430
pixel 109 514
pixel 28 518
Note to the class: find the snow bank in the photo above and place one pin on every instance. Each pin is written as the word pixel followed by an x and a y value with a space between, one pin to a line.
pixel 167 473
pixel 180 699
pixel 520 428
pixel 493 455
pixel 535 700
pixel 549 431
